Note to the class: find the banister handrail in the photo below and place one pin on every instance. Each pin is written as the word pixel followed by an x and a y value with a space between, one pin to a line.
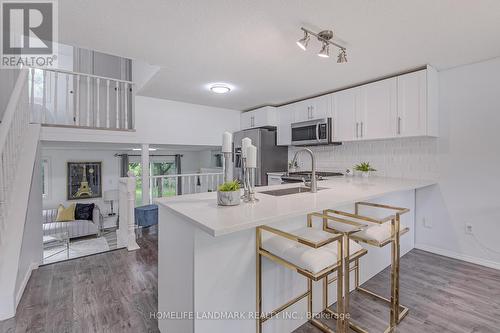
pixel 12 106
pixel 64 71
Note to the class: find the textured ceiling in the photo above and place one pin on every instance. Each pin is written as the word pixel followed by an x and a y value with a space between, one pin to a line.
pixel 251 44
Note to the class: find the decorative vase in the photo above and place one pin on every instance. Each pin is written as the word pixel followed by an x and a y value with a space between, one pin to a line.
pixel 232 198
pixel 365 174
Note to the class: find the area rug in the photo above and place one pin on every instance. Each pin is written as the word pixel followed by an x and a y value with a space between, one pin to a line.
pixel 77 249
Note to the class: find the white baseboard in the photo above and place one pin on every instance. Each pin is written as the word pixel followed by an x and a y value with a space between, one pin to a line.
pixel 459 256
pixel 26 278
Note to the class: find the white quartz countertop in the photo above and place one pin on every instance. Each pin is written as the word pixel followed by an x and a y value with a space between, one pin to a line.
pixel 202 210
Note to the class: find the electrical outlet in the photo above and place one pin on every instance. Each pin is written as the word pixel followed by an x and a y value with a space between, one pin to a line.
pixel 427 223
pixel 468 229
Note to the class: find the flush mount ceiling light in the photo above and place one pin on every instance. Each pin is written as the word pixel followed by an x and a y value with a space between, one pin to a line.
pixel 220 88
pixel 325 37
pixel 139 149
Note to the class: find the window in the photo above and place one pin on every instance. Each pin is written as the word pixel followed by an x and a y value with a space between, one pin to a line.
pixel 159 187
pixel 45 178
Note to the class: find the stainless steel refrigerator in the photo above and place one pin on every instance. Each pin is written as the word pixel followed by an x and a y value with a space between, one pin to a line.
pixel 270 157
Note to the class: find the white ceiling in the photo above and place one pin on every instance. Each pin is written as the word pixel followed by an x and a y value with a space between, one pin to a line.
pixel 251 44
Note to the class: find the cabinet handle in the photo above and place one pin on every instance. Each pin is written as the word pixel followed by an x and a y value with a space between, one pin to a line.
pixel 399 125
pixel 357 130
pixel 361 129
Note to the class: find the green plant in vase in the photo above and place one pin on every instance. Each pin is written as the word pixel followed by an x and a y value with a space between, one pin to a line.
pixel 228 194
pixel 365 168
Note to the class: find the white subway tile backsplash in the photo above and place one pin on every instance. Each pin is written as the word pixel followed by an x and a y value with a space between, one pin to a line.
pixel 407 157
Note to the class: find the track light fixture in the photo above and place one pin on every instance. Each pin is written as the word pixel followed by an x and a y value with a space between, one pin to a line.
pixel 325 51
pixel 342 58
pixel 325 37
pixel 302 43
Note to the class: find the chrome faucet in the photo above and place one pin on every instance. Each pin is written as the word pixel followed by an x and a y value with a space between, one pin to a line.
pixel 314 187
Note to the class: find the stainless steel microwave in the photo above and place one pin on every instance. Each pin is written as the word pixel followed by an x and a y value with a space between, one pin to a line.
pixel 313 132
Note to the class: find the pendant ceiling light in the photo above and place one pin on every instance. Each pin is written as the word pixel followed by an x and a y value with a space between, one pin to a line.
pixel 325 37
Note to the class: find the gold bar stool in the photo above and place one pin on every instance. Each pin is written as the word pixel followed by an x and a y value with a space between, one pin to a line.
pixel 310 252
pixel 378 232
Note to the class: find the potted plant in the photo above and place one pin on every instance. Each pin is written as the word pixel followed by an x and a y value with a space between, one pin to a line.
pixel 292 166
pixel 228 194
pixel 365 168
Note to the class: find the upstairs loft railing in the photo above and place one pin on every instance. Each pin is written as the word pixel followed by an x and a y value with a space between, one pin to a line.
pixel 181 184
pixel 71 99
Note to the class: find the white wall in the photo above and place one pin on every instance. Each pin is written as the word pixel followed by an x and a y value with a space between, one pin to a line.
pixel 160 121
pixel 464 160
pixel 191 161
pixel 31 248
pixel 168 122
pixel 468 160
pixel 58 173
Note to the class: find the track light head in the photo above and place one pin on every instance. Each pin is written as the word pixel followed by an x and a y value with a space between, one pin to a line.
pixel 325 51
pixel 342 58
pixel 302 43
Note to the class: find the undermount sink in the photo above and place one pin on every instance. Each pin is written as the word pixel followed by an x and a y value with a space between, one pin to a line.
pixel 289 191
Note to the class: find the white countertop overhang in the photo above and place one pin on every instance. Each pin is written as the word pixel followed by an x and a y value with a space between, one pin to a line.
pixel 202 210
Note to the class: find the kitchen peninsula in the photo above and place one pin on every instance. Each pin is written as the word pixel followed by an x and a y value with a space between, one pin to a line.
pixel 207 266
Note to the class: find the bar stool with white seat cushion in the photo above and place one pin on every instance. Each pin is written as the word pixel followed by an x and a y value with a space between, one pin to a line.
pixel 314 254
pixel 377 232
pixel 312 259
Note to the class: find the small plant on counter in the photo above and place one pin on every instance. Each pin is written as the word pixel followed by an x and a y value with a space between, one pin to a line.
pixel 230 186
pixel 293 165
pixel 365 168
pixel 228 194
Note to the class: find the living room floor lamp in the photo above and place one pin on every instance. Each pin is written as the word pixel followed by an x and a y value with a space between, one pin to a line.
pixel 111 196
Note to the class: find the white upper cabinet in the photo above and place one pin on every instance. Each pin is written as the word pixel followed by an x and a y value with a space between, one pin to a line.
pixel 286 116
pixel 402 106
pixel 265 116
pixel 376 105
pixel 313 108
pixel 417 104
pixel 344 115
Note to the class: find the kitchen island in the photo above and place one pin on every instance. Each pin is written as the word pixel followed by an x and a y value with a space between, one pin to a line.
pixel 206 253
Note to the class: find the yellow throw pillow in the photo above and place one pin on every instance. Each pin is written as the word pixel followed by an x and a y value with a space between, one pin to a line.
pixel 65 214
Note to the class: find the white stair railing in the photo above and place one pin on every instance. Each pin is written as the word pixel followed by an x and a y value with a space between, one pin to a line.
pixel 12 133
pixel 180 184
pixel 65 98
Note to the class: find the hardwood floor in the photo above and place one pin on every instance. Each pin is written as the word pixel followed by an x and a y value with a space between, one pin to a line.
pixel 108 292
pixel 116 291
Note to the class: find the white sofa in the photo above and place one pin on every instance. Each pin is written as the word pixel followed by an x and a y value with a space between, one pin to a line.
pixel 77 228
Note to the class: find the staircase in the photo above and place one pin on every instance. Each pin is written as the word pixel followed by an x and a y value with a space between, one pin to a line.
pixel 18 153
